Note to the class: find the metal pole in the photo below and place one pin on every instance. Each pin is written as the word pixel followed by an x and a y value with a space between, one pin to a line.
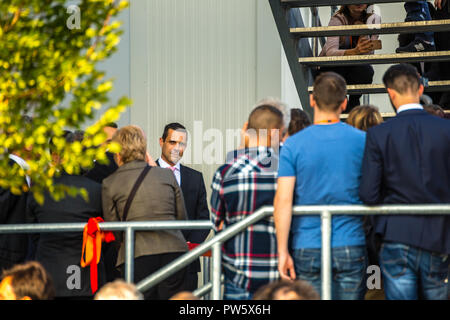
pixel 129 255
pixel 326 255
pixel 217 269
pixel 206 274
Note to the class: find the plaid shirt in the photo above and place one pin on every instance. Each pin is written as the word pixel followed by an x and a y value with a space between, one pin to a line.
pixel 239 188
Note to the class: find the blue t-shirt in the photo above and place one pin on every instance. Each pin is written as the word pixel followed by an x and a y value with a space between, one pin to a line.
pixel 326 161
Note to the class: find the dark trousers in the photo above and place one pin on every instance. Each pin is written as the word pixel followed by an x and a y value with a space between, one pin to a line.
pixel 146 265
pixel 360 74
pixel 419 11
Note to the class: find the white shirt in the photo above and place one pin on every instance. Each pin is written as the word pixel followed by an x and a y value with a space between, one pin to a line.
pixel 22 163
pixel 176 170
pixel 410 106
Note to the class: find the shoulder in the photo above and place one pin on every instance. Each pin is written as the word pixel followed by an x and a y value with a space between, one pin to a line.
pixel 338 19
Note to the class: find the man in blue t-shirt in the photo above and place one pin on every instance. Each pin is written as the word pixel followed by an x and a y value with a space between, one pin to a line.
pixel 321 165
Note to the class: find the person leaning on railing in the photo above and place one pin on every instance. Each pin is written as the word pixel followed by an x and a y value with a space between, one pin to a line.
pixel 350 46
pixel 156 198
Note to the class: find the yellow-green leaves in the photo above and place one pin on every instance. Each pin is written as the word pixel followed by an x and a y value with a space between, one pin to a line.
pixel 49 72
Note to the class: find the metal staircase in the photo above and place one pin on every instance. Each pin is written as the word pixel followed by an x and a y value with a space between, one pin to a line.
pixel 303 58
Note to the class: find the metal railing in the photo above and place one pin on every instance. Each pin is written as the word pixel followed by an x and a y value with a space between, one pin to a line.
pixel 215 243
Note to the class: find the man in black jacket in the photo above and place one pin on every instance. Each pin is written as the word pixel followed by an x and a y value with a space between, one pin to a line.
pixel 173 143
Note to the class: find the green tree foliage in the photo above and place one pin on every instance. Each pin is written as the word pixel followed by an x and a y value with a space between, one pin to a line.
pixel 48 71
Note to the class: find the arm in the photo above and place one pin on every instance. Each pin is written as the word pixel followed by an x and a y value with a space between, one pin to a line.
pixel 108 206
pixel 218 210
pixel 198 236
pixel 372 172
pixel 282 218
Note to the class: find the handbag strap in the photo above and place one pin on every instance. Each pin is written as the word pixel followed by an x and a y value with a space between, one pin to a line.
pixel 134 190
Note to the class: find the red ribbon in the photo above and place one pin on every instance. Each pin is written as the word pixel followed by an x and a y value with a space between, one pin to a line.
pixel 92 245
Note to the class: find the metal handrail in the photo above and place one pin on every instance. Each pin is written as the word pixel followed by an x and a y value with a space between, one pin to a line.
pixel 214 244
pixel 326 213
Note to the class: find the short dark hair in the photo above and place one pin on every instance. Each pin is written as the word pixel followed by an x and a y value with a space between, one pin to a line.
pixel 174 126
pixel 330 90
pixel 303 289
pixel 112 125
pixel 299 121
pixel 30 279
pixel 402 78
pixel 265 117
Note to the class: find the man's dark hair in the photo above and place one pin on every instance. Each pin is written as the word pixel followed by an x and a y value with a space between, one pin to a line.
pixel 303 289
pixel 174 126
pixel 265 117
pixel 30 280
pixel 112 125
pixel 299 121
pixel 330 90
pixel 403 78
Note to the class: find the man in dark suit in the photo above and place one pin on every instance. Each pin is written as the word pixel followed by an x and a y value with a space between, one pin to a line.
pixel 407 161
pixel 173 143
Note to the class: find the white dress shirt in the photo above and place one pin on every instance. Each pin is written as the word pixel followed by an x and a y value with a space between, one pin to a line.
pixel 410 106
pixel 175 169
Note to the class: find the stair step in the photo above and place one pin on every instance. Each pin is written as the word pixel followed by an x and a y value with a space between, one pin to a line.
pixel 385 114
pixel 433 86
pixel 369 29
pixel 428 56
pixel 327 3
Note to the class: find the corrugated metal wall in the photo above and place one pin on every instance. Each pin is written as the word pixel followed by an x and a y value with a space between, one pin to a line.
pixel 201 63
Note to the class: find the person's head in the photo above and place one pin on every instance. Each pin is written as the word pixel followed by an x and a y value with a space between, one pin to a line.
pixel 364 117
pixel 184 295
pixel 28 281
pixel 173 143
pixel 133 144
pixel 287 290
pixel 118 290
pixel 355 13
pixel 280 105
pixel 265 126
pixel 299 121
pixel 435 110
pixel 329 93
pixel 402 82
pixel 110 129
pixel 69 137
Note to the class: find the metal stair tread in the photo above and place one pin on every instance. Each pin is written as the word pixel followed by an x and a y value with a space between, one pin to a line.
pixel 379 88
pixel 376 58
pixel 326 3
pixel 368 29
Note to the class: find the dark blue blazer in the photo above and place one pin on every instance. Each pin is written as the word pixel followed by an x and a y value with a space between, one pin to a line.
pixel 407 161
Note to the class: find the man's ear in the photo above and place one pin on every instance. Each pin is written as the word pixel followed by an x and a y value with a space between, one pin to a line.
pixel 392 93
pixel 161 142
pixel 312 101
pixel 421 89
pixel 343 105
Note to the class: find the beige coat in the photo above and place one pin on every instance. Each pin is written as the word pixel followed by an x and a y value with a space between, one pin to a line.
pixel 159 198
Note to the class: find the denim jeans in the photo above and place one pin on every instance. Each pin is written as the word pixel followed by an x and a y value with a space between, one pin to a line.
pixel 419 11
pixel 233 292
pixel 348 267
pixel 411 273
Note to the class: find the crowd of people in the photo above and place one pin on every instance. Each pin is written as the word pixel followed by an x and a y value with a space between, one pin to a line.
pixel 325 161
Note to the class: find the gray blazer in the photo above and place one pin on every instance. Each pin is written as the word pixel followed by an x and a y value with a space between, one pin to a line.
pixel 159 198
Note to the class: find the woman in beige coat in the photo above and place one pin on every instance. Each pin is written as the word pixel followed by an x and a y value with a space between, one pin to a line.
pixel 158 198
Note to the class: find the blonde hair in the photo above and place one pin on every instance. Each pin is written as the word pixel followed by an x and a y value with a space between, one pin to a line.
pixel 364 117
pixel 133 143
pixel 119 290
